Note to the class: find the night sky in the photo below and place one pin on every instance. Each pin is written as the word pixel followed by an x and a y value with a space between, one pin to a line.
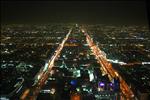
pixel 100 12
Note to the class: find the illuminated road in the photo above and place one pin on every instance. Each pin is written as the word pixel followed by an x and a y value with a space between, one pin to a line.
pixel 107 67
pixel 31 94
pixel 17 86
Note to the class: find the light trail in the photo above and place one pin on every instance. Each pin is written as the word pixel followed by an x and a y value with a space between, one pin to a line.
pixel 18 87
pixel 25 94
pixel 44 74
pixel 107 67
pixel 116 62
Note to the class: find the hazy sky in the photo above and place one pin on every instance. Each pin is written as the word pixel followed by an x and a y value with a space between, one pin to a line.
pixel 103 12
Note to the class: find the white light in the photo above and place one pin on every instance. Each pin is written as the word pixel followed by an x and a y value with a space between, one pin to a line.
pixel 78 89
pixel 45 67
pixel 3 98
pixel 38 77
pixel 143 63
pixel 116 61
pixel 91 77
pixel 77 73
pixel 83 31
pixel 52 91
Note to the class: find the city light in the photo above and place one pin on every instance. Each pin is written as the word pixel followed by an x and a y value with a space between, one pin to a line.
pixel 101 84
pixel 53 61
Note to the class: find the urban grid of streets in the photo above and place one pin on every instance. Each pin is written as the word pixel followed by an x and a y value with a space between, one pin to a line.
pixel 106 67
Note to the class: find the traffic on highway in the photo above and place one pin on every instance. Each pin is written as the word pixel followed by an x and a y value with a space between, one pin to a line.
pixel 107 67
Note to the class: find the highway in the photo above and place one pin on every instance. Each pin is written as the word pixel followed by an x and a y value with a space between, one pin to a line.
pixel 31 94
pixel 17 87
pixel 107 67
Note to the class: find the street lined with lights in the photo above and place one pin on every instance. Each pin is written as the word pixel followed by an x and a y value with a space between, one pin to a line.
pixel 101 57
pixel 107 67
pixel 44 74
